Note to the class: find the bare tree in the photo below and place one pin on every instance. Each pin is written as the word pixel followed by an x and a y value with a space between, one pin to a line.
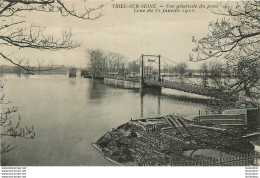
pixel 235 38
pixel 204 70
pixel 181 68
pixel 106 62
pixel 133 66
pixel 17 33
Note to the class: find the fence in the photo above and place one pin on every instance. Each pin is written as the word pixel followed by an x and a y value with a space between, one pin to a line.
pixel 222 119
pixel 249 159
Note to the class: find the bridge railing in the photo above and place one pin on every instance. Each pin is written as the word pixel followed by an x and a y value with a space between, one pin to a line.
pixel 187 87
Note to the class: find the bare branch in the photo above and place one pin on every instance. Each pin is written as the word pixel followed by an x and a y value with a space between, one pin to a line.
pixel 235 38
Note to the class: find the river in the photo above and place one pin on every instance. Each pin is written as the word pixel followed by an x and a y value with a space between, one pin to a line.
pixel 68 114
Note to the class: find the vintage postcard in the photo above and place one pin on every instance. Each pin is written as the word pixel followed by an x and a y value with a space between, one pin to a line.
pixel 129 83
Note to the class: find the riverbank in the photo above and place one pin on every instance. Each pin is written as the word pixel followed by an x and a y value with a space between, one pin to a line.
pixel 165 141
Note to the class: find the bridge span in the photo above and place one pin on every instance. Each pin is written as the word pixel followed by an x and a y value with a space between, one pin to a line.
pixel 180 86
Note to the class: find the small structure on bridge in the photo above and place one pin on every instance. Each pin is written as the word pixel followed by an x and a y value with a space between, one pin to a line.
pixel 72 72
pixel 147 71
pixel 134 75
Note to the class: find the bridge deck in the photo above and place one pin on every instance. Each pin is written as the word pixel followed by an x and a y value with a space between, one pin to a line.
pixel 187 87
pixel 181 86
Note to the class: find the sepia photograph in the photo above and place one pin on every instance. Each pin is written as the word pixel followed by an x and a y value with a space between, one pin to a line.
pixel 129 83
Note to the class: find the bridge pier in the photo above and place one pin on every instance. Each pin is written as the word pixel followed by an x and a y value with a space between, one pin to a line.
pixel 143 85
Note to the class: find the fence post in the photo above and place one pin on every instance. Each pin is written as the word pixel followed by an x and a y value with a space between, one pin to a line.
pixel 220 162
pixel 236 160
pixel 256 158
pixel 242 159
pixel 245 159
pixel 251 159
pixel 239 159
pixel 248 159
pixel 210 161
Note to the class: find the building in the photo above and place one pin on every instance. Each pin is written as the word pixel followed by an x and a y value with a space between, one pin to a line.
pixel 148 72
pixel 72 72
pixel 134 75
pixel 234 117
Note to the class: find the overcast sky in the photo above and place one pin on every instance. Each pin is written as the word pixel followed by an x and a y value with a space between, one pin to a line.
pixel 123 31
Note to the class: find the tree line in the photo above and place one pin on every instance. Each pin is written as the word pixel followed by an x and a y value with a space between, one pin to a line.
pixel 235 37
pixel 102 62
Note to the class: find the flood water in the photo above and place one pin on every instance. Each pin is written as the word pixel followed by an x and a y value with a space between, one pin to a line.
pixel 68 114
pixel 207 152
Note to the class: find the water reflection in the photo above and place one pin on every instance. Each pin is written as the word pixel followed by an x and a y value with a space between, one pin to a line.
pixel 72 82
pixel 142 104
pixel 96 89
pixel 122 84
pixel 159 105
pixel 154 92
pixel 207 153
pixel 157 94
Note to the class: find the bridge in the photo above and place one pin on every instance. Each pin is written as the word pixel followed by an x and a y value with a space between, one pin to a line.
pixel 187 87
pixel 157 82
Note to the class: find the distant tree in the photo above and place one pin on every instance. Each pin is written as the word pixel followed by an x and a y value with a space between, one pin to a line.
pixel 133 66
pixel 235 38
pixel 106 62
pixel 96 61
pixel 181 68
pixel 16 33
pixel 204 69
pixel 216 73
